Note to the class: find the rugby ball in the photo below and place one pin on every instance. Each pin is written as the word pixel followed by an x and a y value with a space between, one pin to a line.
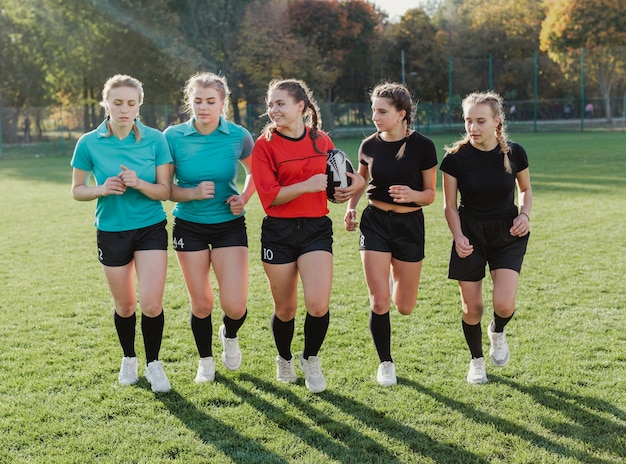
pixel 337 164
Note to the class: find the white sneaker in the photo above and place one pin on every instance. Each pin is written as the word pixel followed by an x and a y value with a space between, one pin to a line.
pixel 157 378
pixel 386 375
pixel 285 370
pixel 206 370
pixel 128 371
pixel 477 371
pixel 231 356
pixel 499 352
pixel 313 377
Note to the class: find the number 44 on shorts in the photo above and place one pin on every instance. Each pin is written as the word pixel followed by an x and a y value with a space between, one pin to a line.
pixel 178 243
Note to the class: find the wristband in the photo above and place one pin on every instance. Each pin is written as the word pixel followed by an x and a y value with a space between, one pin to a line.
pixel 525 214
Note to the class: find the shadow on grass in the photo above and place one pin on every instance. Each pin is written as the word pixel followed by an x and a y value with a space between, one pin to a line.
pixel 349 444
pixel 550 400
pixel 587 416
pixel 222 436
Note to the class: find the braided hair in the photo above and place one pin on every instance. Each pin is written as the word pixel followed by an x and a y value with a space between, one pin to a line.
pixel 114 82
pixel 400 98
pixel 496 103
pixel 299 91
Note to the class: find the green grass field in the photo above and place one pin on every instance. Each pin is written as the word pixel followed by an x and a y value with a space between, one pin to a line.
pixel 562 398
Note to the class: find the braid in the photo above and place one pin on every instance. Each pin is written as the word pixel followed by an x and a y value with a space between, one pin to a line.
pixel 496 104
pixel 400 97
pixel 299 91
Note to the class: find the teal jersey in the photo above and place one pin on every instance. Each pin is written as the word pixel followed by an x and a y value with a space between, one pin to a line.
pixel 214 157
pixel 102 155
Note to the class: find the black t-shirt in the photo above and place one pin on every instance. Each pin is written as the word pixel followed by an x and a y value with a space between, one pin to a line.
pixel 487 190
pixel 386 170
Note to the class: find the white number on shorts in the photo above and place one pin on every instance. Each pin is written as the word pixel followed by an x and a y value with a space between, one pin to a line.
pixel 179 243
pixel 268 255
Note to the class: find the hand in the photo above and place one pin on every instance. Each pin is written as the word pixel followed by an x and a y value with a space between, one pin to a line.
pixel 345 193
pixel 236 204
pixel 129 177
pixel 349 220
pixel 520 226
pixel 316 183
pixel 401 193
pixel 205 190
pixel 113 186
pixel 463 246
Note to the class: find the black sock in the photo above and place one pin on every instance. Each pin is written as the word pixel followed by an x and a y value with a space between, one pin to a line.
pixel 283 335
pixel 152 329
pixel 315 329
pixel 380 328
pixel 500 322
pixel 231 326
pixel 202 330
pixel 474 338
pixel 125 327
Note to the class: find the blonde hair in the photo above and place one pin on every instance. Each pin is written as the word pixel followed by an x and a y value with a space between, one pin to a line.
pixel 114 82
pixel 206 80
pixel 496 103
pixel 299 91
pixel 400 98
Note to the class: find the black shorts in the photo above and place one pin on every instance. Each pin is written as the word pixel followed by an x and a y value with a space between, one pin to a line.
pixel 493 245
pixel 117 248
pixel 401 234
pixel 283 240
pixel 192 236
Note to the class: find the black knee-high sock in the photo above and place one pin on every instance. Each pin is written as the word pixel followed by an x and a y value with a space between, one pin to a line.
pixel 125 327
pixel 231 326
pixel 283 335
pixel 380 328
pixel 315 329
pixel 474 338
pixel 500 322
pixel 202 330
pixel 152 329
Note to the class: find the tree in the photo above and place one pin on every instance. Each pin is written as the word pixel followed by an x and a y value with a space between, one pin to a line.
pixel 597 25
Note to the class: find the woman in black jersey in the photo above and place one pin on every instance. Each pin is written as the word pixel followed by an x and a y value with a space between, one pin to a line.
pixel 401 165
pixel 487 226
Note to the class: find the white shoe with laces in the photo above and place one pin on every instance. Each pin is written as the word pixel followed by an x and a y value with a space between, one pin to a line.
pixel 206 370
pixel 499 352
pixel 157 378
pixel 285 370
pixel 386 375
pixel 313 377
pixel 231 356
pixel 477 371
pixel 128 371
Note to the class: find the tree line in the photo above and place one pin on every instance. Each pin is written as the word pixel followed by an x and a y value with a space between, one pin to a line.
pixel 61 52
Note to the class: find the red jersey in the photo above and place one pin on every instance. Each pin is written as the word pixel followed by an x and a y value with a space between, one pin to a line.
pixel 285 161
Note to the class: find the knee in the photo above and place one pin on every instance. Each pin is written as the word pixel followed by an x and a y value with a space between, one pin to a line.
pixel 405 310
pixel 504 309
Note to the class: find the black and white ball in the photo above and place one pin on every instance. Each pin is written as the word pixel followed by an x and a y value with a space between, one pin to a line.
pixel 337 164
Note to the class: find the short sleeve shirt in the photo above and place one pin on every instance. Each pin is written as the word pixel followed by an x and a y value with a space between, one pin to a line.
pixel 284 161
pixel 487 190
pixel 386 169
pixel 103 155
pixel 214 157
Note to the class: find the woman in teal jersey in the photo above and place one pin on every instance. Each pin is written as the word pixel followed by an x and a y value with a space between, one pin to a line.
pixel 131 166
pixel 209 224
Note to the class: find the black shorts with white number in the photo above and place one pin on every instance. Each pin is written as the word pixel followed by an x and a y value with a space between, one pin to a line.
pixel 118 248
pixel 283 240
pixel 192 236
pixel 401 234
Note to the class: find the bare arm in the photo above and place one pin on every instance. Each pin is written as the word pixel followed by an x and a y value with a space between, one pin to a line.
pixel 521 225
pixel 450 206
pixel 160 190
pixel 83 192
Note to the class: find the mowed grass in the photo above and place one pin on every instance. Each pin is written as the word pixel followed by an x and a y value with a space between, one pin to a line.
pixel 562 399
